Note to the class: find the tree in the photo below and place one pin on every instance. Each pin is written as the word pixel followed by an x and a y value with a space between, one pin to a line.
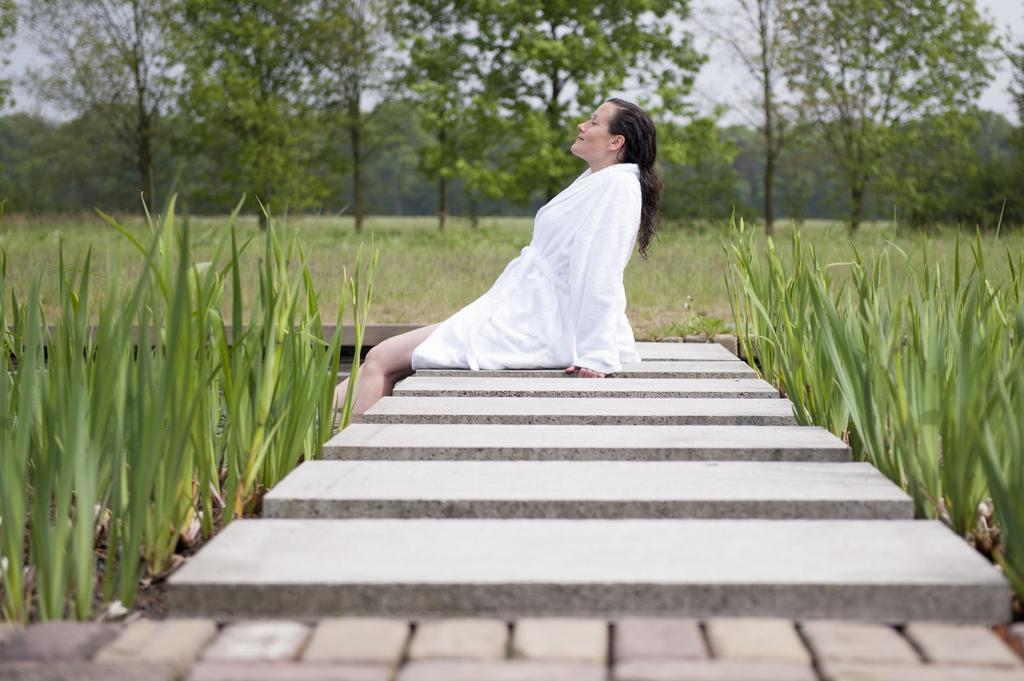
pixel 761 59
pixel 245 93
pixel 8 27
pixel 863 67
pixel 548 63
pixel 444 85
pixel 107 57
pixel 350 52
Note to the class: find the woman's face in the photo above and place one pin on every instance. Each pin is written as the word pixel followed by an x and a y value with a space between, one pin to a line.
pixel 595 142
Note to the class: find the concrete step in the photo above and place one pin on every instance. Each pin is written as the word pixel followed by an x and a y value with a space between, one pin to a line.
pixel 880 570
pixel 473 386
pixel 400 441
pixel 651 369
pixel 595 410
pixel 684 352
pixel 585 489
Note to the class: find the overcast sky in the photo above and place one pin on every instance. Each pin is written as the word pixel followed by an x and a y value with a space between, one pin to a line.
pixel 720 81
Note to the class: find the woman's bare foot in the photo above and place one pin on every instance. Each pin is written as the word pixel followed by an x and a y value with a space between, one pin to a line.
pixel 584 372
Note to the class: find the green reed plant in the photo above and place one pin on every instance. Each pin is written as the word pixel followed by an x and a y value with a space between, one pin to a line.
pixel 1003 461
pixel 923 370
pixel 17 397
pixel 775 324
pixel 65 470
pixel 119 440
pixel 360 290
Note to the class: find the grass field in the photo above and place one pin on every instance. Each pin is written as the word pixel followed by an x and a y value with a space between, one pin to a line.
pixel 424 275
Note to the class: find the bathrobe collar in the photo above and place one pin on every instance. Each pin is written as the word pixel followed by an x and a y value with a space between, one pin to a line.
pixel 588 180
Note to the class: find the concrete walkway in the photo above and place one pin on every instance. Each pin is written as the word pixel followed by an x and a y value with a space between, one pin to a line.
pixel 590 497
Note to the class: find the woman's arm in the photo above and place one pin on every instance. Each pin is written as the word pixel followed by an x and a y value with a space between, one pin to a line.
pixel 597 264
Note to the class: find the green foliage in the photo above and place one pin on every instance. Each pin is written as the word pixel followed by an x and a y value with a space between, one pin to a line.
pixel 549 64
pixel 708 171
pixel 246 97
pixel 75 165
pixel 696 165
pixel 1016 58
pixel 863 67
pixel 993 197
pixel 350 57
pixel 466 106
pixel 444 81
pixel 111 456
pixel 921 374
pixel 958 168
pixel 693 325
pixel 935 155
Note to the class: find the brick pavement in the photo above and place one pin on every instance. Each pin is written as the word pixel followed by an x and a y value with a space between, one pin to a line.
pixel 534 649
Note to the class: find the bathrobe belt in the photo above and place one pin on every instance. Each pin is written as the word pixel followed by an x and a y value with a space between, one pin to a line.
pixel 529 255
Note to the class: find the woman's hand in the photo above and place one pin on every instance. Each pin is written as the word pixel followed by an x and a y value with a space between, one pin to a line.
pixel 584 372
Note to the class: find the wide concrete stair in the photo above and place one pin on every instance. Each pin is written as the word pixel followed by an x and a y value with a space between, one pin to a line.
pixel 580 497
pixel 503 442
pixel 589 411
pixel 593 489
pixel 416 386
pixel 890 570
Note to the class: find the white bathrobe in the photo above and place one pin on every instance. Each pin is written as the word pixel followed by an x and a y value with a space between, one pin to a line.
pixel 562 300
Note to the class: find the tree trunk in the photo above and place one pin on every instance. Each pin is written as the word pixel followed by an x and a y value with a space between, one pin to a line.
pixel 769 160
pixel 856 205
pixel 263 204
pixel 769 181
pixel 764 25
pixel 355 140
pixel 442 182
pixel 474 218
pixel 143 115
pixel 145 158
pixel 442 202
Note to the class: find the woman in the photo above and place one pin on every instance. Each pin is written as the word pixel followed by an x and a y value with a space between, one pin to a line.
pixel 561 302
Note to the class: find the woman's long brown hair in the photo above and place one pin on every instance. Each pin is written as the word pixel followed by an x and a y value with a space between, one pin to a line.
pixel 641 148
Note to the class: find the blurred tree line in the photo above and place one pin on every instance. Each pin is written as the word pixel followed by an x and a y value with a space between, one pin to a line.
pixel 862 108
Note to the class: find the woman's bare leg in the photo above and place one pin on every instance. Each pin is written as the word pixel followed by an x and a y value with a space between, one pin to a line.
pixel 385 364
